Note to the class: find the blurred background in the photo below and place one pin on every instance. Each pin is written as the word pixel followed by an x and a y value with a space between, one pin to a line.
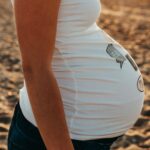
pixel 127 21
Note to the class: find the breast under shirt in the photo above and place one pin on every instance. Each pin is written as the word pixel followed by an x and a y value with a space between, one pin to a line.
pixel 101 86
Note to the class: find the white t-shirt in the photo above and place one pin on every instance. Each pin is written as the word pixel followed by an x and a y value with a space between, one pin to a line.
pixel 101 86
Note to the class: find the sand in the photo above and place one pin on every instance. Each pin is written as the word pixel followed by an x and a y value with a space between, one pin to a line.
pixel 128 22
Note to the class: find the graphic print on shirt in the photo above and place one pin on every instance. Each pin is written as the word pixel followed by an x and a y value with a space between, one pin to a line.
pixel 132 62
pixel 140 84
pixel 113 52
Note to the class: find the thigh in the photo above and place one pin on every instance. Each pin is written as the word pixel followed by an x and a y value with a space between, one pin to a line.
pixel 19 140
pixel 22 134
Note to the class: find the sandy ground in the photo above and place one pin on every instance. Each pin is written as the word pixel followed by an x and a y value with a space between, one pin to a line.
pixel 128 22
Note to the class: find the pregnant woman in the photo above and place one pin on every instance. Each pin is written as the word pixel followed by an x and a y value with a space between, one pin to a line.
pixel 82 90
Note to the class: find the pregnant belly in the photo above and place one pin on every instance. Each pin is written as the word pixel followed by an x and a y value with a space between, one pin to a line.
pixel 104 83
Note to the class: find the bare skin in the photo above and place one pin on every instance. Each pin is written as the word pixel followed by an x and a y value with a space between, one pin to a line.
pixel 36 22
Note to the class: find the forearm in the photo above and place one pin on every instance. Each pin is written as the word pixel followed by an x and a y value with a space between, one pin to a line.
pixel 48 109
pixel 36 23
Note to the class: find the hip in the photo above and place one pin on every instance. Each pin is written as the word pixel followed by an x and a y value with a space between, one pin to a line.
pixel 24 135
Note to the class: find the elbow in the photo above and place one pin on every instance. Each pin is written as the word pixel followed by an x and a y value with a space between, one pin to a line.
pixel 34 74
pixel 27 69
pixel 36 69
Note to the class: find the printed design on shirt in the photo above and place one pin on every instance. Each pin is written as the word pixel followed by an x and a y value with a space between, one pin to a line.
pixel 132 62
pixel 140 84
pixel 113 52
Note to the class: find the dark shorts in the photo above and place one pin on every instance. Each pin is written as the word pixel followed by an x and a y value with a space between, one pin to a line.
pixel 23 135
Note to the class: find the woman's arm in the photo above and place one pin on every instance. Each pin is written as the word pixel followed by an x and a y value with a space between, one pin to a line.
pixel 36 22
